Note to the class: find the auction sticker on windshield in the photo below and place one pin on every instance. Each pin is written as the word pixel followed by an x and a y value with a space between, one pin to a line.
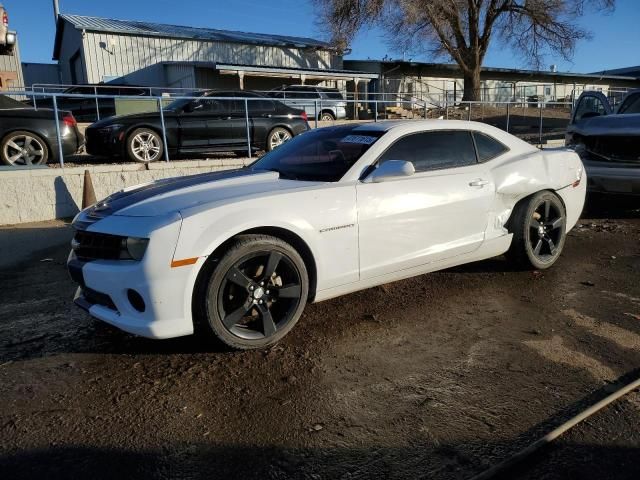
pixel 363 139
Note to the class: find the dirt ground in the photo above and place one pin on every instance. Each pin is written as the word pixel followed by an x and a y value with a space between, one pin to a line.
pixel 439 376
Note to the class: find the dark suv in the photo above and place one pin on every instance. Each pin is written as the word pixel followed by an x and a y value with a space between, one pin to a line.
pixel 327 103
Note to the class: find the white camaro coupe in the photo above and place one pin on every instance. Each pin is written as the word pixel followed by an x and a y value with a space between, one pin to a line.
pixel 339 209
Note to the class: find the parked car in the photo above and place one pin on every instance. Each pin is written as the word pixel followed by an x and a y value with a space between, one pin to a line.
pixel 608 141
pixel 338 209
pixel 327 103
pixel 207 124
pixel 7 37
pixel 90 108
pixel 28 136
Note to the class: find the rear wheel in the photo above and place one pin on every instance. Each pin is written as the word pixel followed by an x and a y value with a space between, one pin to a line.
pixel 256 293
pixel 144 145
pixel 538 225
pixel 23 148
pixel 277 137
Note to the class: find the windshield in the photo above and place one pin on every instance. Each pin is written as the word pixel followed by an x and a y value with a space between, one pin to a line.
pixel 631 104
pixel 324 155
pixel 181 102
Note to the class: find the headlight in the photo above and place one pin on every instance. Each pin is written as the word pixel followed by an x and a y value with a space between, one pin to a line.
pixel 112 128
pixel 133 248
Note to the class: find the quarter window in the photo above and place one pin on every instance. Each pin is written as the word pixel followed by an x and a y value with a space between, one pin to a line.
pixel 487 147
pixel 433 150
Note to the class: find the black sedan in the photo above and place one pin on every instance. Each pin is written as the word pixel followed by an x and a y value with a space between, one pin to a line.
pixel 210 123
pixel 29 135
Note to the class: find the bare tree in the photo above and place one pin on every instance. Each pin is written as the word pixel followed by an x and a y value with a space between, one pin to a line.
pixel 463 29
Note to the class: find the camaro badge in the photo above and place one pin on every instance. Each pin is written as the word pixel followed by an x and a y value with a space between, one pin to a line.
pixel 329 229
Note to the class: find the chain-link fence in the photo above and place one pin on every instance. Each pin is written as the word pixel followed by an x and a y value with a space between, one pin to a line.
pixel 179 126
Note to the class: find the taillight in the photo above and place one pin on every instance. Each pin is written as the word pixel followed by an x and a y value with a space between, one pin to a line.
pixel 304 116
pixel 69 120
pixel 5 19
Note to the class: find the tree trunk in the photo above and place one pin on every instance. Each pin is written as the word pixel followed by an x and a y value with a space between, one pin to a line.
pixel 472 85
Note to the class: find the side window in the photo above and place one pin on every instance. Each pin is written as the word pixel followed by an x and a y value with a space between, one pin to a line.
pixel 589 106
pixel 433 150
pixel 260 106
pixel 210 105
pixel 302 94
pixel 488 147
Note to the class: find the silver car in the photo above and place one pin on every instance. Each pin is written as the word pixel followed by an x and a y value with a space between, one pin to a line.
pixel 608 141
pixel 327 103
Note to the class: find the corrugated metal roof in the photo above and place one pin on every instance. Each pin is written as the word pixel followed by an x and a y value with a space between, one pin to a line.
pixel 131 27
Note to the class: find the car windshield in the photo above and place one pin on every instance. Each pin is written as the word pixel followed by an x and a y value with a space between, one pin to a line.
pixel 181 102
pixel 630 105
pixel 324 155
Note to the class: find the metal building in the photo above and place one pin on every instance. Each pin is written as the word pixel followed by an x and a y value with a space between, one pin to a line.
pixel 94 50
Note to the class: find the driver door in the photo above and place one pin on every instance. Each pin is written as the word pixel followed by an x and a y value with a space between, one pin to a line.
pixel 437 213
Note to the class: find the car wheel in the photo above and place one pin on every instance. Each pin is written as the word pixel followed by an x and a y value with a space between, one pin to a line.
pixel 538 225
pixel 144 145
pixel 327 117
pixel 23 148
pixel 256 292
pixel 277 137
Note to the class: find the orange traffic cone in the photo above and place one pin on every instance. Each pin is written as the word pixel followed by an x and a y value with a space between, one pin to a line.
pixel 88 193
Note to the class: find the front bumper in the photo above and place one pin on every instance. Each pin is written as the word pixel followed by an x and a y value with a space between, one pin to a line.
pixel 106 286
pixel 103 292
pixel 607 178
pixel 103 142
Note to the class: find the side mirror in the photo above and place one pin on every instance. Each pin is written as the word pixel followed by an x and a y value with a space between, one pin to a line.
pixel 391 170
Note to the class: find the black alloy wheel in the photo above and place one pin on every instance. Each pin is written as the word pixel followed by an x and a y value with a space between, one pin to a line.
pixel 546 230
pixel 257 292
pixel 538 224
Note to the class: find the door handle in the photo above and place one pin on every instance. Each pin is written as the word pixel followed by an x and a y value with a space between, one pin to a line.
pixel 479 183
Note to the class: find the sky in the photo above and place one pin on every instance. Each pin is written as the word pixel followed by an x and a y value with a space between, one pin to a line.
pixel 615 42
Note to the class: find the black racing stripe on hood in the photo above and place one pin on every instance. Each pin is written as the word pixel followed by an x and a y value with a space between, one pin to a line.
pixel 123 199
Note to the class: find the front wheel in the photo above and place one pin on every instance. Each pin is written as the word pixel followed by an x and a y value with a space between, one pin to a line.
pixel 256 293
pixel 538 224
pixel 144 145
pixel 327 117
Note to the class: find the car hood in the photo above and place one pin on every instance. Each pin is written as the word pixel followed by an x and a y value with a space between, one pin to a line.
pixel 628 124
pixel 163 197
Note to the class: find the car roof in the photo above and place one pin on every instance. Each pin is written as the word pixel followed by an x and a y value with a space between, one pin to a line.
pixel 403 127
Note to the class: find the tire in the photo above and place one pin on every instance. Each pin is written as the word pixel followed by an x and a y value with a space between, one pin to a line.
pixel 277 137
pixel 255 294
pixel 144 145
pixel 326 117
pixel 538 224
pixel 23 148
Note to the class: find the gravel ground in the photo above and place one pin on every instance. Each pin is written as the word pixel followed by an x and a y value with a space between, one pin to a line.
pixel 439 376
